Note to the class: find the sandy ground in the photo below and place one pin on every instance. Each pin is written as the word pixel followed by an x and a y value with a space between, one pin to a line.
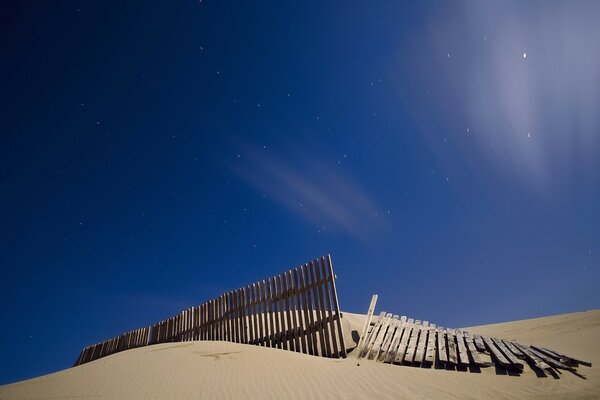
pixel 220 370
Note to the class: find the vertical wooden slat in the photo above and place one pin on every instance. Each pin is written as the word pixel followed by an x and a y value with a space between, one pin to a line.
pixel 243 313
pixel 294 310
pixel 288 312
pixel 255 311
pixel 267 317
pixel 408 328
pixel 366 325
pixel 324 322
pixel 273 317
pixel 281 313
pixel 261 314
pixel 300 309
pixel 309 310
pixel 319 321
pixel 336 307
pixel 452 354
pixel 327 293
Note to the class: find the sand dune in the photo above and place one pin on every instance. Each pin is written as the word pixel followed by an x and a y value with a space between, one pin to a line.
pixel 221 370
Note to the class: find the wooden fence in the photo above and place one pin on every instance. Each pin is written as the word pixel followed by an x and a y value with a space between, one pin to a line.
pixel 297 310
pixel 406 341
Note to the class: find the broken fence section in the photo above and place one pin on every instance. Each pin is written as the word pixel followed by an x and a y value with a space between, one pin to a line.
pixel 405 341
pixel 297 310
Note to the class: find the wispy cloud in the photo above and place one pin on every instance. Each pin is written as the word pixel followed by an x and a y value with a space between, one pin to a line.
pixel 524 77
pixel 313 189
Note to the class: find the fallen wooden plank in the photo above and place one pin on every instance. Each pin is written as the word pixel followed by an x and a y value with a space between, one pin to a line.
pixel 538 362
pixel 509 355
pixel 496 353
pixel 474 352
pixel 569 358
pixel 479 343
pixel 367 324
pixel 548 360
pixel 512 348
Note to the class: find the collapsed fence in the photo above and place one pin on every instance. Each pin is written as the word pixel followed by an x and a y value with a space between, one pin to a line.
pixel 297 310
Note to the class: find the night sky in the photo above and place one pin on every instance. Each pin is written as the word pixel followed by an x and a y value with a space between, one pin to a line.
pixel 156 154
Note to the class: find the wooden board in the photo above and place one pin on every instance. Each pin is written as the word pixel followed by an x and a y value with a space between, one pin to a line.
pixel 376 346
pixel 412 342
pixel 462 349
pixel 393 349
pixel 441 345
pixel 373 335
pixel 367 324
pixel 474 352
pixel 422 343
pixel 496 353
pixel 509 354
pixel 479 343
pixel 538 362
pixel 401 352
pixel 335 305
pixel 431 346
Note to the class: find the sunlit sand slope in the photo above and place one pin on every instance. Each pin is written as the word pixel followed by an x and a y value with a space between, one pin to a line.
pixel 220 370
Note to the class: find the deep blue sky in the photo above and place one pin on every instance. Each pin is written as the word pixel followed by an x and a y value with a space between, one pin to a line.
pixel 156 154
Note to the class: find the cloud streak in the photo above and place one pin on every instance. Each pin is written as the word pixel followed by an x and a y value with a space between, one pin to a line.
pixel 523 77
pixel 316 191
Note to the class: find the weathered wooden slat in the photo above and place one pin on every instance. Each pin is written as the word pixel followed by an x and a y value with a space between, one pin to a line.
pixel 393 348
pixel 316 310
pixel 442 349
pixel 451 343
pixel 336 308
pixel 308 315
pixel 258 315
pixel 324 325
pixel 479 343
pixel 422 343
pixel 462 349
pixel 548 360
pixel 263 322
pixel 366 325
pixel 569 359
pixel 373 335
pixel 509 355
pixel 329 313
pixel 538 362
pixel 282 334
pixel 413 342
pixel 299 309
pixel 474 352
pixel 407 332
pixel 431 345
pixel 496 353
pixel 294 309
pixel 389 336
pixel 513 349
pixel 254 317
pixel 290 329
pixel 270 304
